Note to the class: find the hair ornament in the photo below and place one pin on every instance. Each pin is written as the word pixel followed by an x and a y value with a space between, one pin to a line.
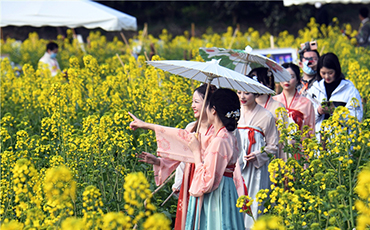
pixel 234 114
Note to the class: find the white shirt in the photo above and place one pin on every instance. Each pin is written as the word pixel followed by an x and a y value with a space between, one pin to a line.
pixel 344 92
pixel 51 62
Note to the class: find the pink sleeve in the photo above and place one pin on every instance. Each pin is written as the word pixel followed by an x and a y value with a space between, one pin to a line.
pixel 238 180
pixel 172 143
pixel 208 175
pixel 310 119
pixel 162 171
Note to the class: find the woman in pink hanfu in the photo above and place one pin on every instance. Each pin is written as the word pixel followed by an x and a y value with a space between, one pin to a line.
pixel 300 109
pixel 163 167
pixel 213 193
pixel 257 129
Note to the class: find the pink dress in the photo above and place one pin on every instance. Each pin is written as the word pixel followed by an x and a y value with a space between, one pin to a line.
pixel 300 110
pixel 173 148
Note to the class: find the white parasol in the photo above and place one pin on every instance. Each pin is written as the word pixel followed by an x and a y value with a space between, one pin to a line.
pixel 212 72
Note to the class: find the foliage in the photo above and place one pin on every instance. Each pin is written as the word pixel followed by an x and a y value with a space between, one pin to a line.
pixel 318 191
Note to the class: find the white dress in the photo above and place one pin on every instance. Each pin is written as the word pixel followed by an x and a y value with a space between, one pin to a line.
pixel 259 132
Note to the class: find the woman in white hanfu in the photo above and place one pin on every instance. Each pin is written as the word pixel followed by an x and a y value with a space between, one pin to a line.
pixel 257 129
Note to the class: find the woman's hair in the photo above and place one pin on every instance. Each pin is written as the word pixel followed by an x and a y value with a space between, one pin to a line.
pixel 203 88
pixel 330 61
pixel 264 76
pixel 295 69
pixel 202 92
pixel 227 106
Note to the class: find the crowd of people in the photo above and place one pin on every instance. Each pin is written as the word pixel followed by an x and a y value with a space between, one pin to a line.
pixel 237 136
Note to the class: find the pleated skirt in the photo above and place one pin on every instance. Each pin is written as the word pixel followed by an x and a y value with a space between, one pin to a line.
pixel 218 210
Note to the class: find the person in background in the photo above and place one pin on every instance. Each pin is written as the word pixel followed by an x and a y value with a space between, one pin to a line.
pixel 49 58
pixel 363 36
pixel 300 109
pixel 308 56
pixel 258 138
pixel 334 89
pixel 264 76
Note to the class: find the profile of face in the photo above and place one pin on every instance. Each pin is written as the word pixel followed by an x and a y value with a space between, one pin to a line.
pixel 327 74
pixel 246 99
pixel 292 83
pixel 312 58
pixel 197 104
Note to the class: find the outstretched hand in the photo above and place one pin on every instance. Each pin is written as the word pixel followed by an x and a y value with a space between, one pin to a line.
pixel 137 123
pixel 148 158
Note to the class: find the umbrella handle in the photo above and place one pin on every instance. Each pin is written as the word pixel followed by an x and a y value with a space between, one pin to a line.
pixel 201 112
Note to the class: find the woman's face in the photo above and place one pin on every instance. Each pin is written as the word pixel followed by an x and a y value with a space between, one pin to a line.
pixel 246 99
pixel 292 83
pixel 327 74
pixel 197 104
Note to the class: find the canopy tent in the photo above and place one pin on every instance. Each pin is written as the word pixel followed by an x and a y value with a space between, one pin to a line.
pixel 312 2
pixel 69 13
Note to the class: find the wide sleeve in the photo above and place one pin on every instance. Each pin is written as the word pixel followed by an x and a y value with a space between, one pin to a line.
pixel 310 118
pixel 208 174
pixel 164 169
pixel 271 139
pixel 238 180
pixel 172 143
pixel 169 141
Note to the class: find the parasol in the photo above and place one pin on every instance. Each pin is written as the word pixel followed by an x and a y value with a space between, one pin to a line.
pixel 243 61
pixel 212 72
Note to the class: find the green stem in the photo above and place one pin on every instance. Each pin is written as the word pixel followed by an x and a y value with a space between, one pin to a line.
pixel 351 199
pixel 358 164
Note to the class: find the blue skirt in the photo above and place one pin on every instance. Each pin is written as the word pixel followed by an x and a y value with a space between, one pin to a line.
pixel 219 211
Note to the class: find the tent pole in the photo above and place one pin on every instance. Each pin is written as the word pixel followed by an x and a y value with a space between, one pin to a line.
pixel 125 40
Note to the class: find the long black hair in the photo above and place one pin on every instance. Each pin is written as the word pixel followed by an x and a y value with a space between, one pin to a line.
pixel 227 106
pixel 330 61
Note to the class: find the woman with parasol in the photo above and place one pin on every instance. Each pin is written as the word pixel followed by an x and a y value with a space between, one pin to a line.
pixel 213 193
pixel 163 167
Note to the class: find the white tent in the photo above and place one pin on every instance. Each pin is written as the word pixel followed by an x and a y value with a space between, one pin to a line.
pixel 69 13
pixel 312 2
